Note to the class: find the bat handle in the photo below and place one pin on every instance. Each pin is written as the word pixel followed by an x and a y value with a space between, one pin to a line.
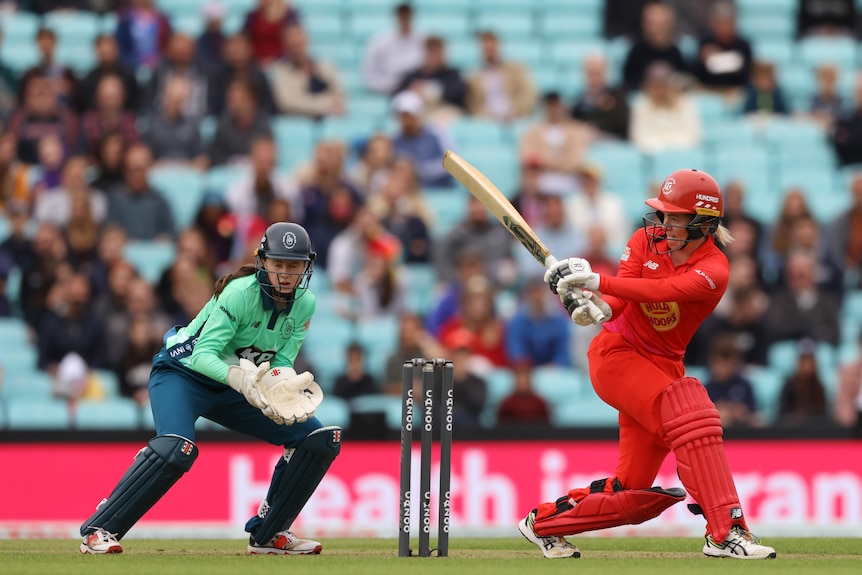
pixel 597 315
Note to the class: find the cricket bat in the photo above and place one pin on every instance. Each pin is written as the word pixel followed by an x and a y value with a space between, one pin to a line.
pixel 486 192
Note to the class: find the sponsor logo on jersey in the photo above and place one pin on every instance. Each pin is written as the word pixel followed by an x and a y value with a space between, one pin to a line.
pixel 706 277
pixel 255 325
pixel 662 316
pixel 288 325
pixel 227 313
pixel 651 265
pixel 289 240
pixel 254 354
pixel 627 251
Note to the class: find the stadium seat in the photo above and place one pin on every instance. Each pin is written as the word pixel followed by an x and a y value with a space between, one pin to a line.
pixel 450 23
pixel 364 24
pixel 388 405
pixel 553 25
pixel 730 133
pixel 19 27
pixel 80 57
pixel 767 6
pixel 2 415
pixel 37 413
pixel 712 109
pixel 664 163
pixel 420 281
pixel 24 381
pixel 112 413
pixel 500 383
pixel 178 8
pixel 779 51
pixel 571 53
pixel 182 188
pixel 13 331
pixel 818 186
pixel 145 416
pixel 73 27
pixel 590 411
pixel 767 26
pixel 448 208
pixel 469 131
pixel 188 24
pixel 508 22
pixel 378 333
pixel 322 27
pixel 333 411
pixel 108 23
pixel 150 258
pixel 220 178
pixel 109 382
pixel 560 384
pixel 766 383
pixel 838 51
pixel 526 51
pixel 19 56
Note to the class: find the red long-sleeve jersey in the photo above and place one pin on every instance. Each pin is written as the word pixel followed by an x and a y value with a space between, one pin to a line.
pixel 657 306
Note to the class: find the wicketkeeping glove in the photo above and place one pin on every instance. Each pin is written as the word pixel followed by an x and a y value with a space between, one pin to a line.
pixel 294 398
pixel 245 378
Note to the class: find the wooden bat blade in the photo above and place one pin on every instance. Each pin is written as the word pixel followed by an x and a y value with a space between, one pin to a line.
pixel 486 192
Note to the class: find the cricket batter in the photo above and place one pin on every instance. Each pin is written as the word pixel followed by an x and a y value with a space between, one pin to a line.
pixel 672 274
pixel 218 367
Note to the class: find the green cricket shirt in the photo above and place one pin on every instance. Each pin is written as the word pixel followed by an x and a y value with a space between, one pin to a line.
pixel 242 323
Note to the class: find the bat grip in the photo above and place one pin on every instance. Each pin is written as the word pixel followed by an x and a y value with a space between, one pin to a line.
pixel 597 315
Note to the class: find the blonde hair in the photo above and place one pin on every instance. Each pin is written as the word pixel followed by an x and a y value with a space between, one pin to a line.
pixel 722 235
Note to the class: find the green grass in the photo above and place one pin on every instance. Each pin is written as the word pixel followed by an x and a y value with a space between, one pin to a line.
pixel 513 556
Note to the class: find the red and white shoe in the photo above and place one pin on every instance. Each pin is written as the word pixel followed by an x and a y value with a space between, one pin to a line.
pixel 285 543
pixel 100 542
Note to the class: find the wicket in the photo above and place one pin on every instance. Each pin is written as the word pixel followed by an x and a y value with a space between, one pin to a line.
pixel 427 425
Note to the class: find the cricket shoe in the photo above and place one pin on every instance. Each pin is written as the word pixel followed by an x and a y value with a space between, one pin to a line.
pixel 285 543
pixel 552 546
pixel 100 542
pixel 739 544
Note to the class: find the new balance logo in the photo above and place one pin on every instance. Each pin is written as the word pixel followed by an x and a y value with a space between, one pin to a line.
pixel 736 513
pixel 651 265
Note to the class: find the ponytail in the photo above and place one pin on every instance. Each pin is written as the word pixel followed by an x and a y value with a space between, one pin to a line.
pixel 242 272
pixel 722 235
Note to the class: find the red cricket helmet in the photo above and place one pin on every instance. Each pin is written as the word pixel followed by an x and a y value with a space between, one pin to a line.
pixel 686 191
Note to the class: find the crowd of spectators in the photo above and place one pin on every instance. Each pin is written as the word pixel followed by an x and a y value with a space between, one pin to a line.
pixel 77 152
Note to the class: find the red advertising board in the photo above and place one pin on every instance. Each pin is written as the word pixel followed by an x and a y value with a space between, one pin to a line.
pixel 785 487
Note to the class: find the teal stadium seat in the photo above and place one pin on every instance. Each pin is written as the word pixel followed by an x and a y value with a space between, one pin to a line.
pixel 363 24
pixel 553 25
pixel 730 133
pixel 463 53
pixel 179 8
pixel 664 163
pixel 350 129
pixel 508 22
pixel 571 52
pixel 182 188
pixel 767 26
pixel 779 51
pixel 819 187
pixel 500 383
pixel 108 23
pixel 766 383
pixel 560 384
pixel 785 7
pixel 450 23
pixel 108 381
pixel 37 413
pixel 448 207
pixel 19 56
pixel 188 24
pixel 379 333
pixel 468 131
pixel 145 416
pixel 420 281
pixel 81 58
pixel 72 27
pixel 712 108
pixel 294 138
pixel 388 405
pixel 623 174
pixel 219 178
pixel 500 163
pixel 19 27
pixel 526 51
pixel 25 382
pixel 698 372
pixel 589 411
pixel 817 50
pixel 150 258
pixel 322 26
pixel 111 413
pixel 13 331
pixel 2 415
pixel 333 411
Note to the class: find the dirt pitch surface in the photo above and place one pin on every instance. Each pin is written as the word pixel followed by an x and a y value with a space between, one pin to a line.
pixel 512 556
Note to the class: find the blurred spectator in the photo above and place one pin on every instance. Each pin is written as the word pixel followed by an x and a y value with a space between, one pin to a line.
pixel 355 381
pixel 477 232
pixel 622 18
pixel 847 137
pixel 81 232
pixel 528 198
pixel 190 289
pixel 403 213
pixel 172 135
pixel 556 144
pixel 56 206
pixel 239 125
pixel 730 391
pixel 413 341
pixel 558 234
pixel 142 344
pixel 130 297
pixel 52 157
pixel 210 43
pixel 237 63
pixel 116 276
pixel 17 246
pixel 71 329
pixel 62 80
pixel 656 44
pixel 142 34
pixel 390 55
pixel 723 57
pixel 470 389
pixel 251 195
pixel 484 328
pixel 538 334
pixel 827 104
pixel 6 266
pixel 109 163
pixel 523 405
pixel 763 95
pixel 604 259
pixel 329 201
pixel 302 85
pixel 693 18
pixel 108 115
pixel 604 107
pixel 663 117
pixel 14 175
pixel 803 398
pixel 263 27
pixel 592 205
pixel 193 257
pixel 469 264
pixel 832 18
pixel 112 242
pixel 736 210
pixel 848 401
pixel 441 86
pixel 218 228
pixel 108 64
pixel 371 171
pixel 421 144
pixel 805 235
pixel 40 272
pixel 745 321
pixel 776 240
pixel 8 88
pixel 179 61
pixel 500 89
pixel 41 114
pixel 845 234
pixel 136 206
pixel 801 309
